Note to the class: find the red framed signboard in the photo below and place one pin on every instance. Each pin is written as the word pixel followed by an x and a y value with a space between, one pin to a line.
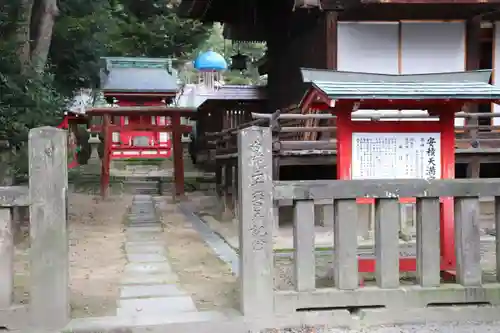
pixel 401 149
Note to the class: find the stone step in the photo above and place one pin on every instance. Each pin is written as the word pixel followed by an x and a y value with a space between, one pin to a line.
pixel 144 248
pixel 124 323
pixel 146 257
pixel 142 211
pixel 158 290
pixel 149 268
pixel 152 217
pixel 149 279
pixel 157 243
pixel 146 191
pixel 145 224
pixel 138 227
pixel 157 305
pixel 142 236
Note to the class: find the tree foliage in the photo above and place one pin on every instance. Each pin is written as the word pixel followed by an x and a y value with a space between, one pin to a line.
pixel 49 49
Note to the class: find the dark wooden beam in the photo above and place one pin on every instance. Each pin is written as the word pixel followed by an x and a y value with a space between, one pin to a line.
pixel 106 160
pixel 178 157
pixel 140 111
pixel 432 2
pixel 421 11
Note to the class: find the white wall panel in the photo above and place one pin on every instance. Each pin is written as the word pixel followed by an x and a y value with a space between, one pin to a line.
pixel 368 47
pixel 433 47
pixel 496 64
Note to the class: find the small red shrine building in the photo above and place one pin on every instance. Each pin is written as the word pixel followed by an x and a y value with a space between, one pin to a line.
pixel 138 82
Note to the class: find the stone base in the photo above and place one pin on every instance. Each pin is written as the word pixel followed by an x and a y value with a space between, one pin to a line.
pixel 447 318
pixel 14 318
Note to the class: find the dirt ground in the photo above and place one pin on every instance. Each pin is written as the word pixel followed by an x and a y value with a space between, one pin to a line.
pixel 96 257
pixel 207 208
pixel 202 274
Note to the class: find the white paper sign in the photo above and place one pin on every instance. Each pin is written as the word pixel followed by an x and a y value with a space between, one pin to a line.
pixel 396 155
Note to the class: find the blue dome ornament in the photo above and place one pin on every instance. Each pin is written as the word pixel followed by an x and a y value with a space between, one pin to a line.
pixel 210 61
pixel 210 64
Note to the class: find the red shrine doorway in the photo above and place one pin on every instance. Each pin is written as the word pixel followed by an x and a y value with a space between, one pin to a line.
pixel 147 144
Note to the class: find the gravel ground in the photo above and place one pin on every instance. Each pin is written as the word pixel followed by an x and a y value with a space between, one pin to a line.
pixel 473 327
pixel 95 252
pixel 284 281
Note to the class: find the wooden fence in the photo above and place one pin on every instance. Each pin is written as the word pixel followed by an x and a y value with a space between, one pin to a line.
pixel 258 192
pixel 295 140
pixel 314 133
pixel 46 196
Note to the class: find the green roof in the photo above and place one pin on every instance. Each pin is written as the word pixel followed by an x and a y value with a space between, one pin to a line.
pixel 352 85
pixel 147 75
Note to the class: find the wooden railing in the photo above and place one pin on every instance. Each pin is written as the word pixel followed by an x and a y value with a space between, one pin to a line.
pixel 258 194
pixel 48 307
pixel 314 132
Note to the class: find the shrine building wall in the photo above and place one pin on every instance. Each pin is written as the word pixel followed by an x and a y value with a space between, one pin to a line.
pixel 496 63
pixel 402 48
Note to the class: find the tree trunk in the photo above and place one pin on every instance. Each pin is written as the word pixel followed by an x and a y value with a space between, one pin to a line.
pixel 43 37
pixel 23 33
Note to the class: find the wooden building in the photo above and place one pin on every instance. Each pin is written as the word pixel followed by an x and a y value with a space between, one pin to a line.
pixel 224 108
pixel 139 82
pixel 386 37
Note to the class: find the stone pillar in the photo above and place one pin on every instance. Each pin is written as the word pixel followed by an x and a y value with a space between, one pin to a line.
pixel 256 241
pixel 6 259
pixel 49 260
pixel 366 218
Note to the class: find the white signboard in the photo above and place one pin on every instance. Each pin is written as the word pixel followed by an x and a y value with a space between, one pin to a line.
pixel 396 155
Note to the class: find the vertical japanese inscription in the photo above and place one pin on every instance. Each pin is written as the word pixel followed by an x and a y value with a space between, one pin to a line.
pixel 431 153
pixel 258 165
pixel 255 200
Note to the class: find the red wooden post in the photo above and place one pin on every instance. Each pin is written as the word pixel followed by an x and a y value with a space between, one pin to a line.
pixel 105 164
pixel 447 227
pixel 178 155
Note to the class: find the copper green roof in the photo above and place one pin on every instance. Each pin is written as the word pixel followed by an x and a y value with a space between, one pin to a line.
pixel 351 85
pixel 146 75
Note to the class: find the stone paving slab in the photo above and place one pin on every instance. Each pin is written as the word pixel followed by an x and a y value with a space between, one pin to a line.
pixel 159 290
pixel 146 257
pixel 139 248
pixel 158 305
pixel 149 268
pixel 144 224
pixel 157 243
pixel 139 228
pixel 143 218
pixel 149 286
pixel 148 279
pixel 142 236
pixel 140 197
pixel 148 222
pixel 115 323
pixel 141 207
pixel 142 213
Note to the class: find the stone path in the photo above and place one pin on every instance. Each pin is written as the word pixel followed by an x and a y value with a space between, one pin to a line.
pixel 149 286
